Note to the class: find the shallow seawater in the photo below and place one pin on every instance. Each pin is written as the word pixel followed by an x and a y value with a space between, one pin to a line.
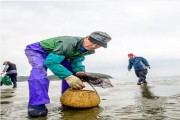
pixel 158 100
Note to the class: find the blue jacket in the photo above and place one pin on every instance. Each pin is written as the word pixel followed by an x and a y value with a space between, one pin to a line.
pixel 139 63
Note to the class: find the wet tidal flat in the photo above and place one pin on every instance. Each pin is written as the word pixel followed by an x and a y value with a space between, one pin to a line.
pixel 158 100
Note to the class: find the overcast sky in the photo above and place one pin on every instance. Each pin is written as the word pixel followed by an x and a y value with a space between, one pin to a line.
pixel 148 28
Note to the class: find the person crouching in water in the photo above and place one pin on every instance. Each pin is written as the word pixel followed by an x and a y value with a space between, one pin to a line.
pixel 140 65
pixel 63 55
pixel 11 71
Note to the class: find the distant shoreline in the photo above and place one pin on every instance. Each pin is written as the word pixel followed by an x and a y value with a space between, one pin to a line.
pixel 54 78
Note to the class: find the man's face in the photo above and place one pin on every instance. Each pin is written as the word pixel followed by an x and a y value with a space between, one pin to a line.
pixel 89 45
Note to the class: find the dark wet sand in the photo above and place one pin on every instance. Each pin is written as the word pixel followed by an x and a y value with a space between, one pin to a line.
pixel 159 100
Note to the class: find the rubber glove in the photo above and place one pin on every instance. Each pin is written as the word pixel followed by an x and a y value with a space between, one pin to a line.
pixel 81 73
pixel 74 82
pixel 85 77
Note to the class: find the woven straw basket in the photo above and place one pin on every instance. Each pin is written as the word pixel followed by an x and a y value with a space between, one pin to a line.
pixel 80 98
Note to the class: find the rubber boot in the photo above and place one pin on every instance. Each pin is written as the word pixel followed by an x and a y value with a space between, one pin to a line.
pixel 37 110
pixel 139 81
pixel 14 84
pixel 1 83
pixel 144 82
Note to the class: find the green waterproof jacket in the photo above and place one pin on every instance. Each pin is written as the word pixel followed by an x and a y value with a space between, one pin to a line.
pixel 64 47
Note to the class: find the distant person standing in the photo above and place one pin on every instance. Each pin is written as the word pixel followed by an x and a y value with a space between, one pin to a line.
pixel 11 71
pixel 140 65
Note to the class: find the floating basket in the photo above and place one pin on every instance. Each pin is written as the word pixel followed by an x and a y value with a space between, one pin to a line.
pixel 80 98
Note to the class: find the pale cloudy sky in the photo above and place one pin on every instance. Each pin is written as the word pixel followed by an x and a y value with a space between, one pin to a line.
pixel 148 28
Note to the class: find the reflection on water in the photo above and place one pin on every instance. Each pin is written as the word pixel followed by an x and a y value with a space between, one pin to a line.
pixel 160 99
pixel 151 105
pixel 6 96
pixel 5 102
pixel 146 93
pixel 79 114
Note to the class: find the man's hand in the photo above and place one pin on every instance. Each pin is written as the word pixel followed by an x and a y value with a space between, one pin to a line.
pixel 74 82
pixel 129 69
pixel 149 67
